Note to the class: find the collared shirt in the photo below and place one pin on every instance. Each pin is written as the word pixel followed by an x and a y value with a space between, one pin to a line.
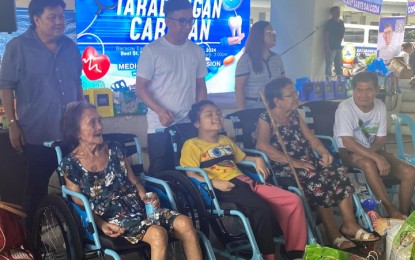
pixel 43 83
pixel 272 68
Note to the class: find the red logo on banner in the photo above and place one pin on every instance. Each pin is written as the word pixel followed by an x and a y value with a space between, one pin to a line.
pixel 95 65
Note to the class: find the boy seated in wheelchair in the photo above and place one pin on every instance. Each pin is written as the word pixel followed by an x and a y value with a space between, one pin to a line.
pixel 101 172
pixel 263 204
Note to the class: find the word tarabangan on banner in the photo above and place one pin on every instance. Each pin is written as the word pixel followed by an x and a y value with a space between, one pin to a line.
pixel 114 32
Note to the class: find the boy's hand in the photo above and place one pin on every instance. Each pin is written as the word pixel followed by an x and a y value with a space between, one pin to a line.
pixel 223 185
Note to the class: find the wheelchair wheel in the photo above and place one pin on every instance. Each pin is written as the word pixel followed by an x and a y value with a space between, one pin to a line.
pixel 55 235
pixel 190 203
pixel 187 198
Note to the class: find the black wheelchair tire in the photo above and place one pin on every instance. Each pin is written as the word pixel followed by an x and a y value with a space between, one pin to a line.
pixel 55 208
pixel 188 200
pixel 186 195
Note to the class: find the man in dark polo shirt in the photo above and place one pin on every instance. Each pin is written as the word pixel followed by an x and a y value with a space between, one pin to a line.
pixel 41 69
pixel 333 36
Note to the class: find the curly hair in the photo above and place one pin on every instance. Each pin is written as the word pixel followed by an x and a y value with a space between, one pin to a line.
pixel 274 90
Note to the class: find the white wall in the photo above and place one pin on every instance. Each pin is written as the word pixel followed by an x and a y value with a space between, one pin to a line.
pixel 293 22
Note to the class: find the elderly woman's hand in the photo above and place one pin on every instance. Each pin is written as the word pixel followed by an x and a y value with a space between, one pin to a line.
pixel 326 159
pixel 155 201
pixel 112 230
pixel 302 165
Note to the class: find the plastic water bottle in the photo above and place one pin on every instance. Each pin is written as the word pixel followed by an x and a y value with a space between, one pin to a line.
pixel 151 211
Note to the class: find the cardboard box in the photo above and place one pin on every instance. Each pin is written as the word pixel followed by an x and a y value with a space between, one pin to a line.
pixel 400 68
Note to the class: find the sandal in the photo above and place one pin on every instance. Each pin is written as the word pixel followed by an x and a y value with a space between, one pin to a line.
pixel 339 241
pixel 361 236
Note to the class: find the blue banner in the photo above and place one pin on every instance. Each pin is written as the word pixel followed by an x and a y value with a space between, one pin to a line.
pixel 112 33
pixel 370 6
pixel 411 7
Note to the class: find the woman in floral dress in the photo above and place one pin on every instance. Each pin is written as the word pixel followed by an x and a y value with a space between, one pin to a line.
pixel 101 172
pixel 325 185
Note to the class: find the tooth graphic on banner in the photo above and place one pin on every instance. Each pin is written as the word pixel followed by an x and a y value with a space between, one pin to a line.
pixel 235 24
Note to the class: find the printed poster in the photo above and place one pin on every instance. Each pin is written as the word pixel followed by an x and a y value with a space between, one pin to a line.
pixel 391 36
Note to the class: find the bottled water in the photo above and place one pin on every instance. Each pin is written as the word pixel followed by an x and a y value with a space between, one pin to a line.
pixel 151 210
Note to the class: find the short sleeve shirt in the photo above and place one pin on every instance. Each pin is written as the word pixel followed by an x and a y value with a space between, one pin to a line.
pixel 363 127
pixel 217 159
pixel 272 68
pixel 172 71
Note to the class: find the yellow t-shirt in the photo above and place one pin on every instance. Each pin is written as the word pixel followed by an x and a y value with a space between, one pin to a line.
pixel 217 159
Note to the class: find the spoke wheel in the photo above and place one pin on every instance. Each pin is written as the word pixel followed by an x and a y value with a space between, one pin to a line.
pixel 55 233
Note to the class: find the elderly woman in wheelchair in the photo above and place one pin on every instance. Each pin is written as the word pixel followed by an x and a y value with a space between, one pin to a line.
pixel 101 172
pixel 263 204
pixel 325 185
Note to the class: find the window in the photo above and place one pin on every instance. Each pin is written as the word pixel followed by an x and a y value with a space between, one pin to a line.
pixel 409 35
pixel 373 36
pixel 354 35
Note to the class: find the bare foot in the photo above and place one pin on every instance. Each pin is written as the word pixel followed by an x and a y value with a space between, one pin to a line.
pixel 397 214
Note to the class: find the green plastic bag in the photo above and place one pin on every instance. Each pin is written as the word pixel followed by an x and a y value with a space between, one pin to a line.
pixel 404 240
pixel 315 252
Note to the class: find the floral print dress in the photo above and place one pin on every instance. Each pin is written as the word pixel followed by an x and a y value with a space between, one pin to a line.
pixel 113 197
pixel 324 186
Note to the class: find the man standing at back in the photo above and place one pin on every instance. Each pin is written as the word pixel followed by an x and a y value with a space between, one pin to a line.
pixel 170 78
pixel 333 36
pixel 41 70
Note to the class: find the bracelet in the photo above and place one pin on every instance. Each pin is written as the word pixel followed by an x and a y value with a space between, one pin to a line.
pixel 12 122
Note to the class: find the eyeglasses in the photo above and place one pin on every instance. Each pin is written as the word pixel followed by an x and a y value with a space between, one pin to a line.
pixel 183 21
pixel 293 95
pixel 269 31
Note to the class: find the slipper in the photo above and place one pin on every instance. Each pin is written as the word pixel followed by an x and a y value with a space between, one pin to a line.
pixel 361 236
pixel 338 242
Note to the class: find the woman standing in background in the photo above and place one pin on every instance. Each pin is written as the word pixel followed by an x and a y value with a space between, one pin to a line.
pixel 257 66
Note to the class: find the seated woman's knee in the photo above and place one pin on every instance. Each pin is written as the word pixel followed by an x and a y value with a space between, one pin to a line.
pixel 156 236
pixel 183 224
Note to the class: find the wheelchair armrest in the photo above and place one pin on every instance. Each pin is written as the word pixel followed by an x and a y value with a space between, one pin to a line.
pixel 253 175
pixel 166 188
pixel 87 208
pixel 206 178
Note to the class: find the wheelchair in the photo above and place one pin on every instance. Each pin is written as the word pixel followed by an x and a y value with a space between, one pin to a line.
pixel 229 225
pixel 62 230
pixel 244 123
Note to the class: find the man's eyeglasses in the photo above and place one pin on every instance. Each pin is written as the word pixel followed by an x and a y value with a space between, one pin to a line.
pixel 183 21
pixel 293 95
